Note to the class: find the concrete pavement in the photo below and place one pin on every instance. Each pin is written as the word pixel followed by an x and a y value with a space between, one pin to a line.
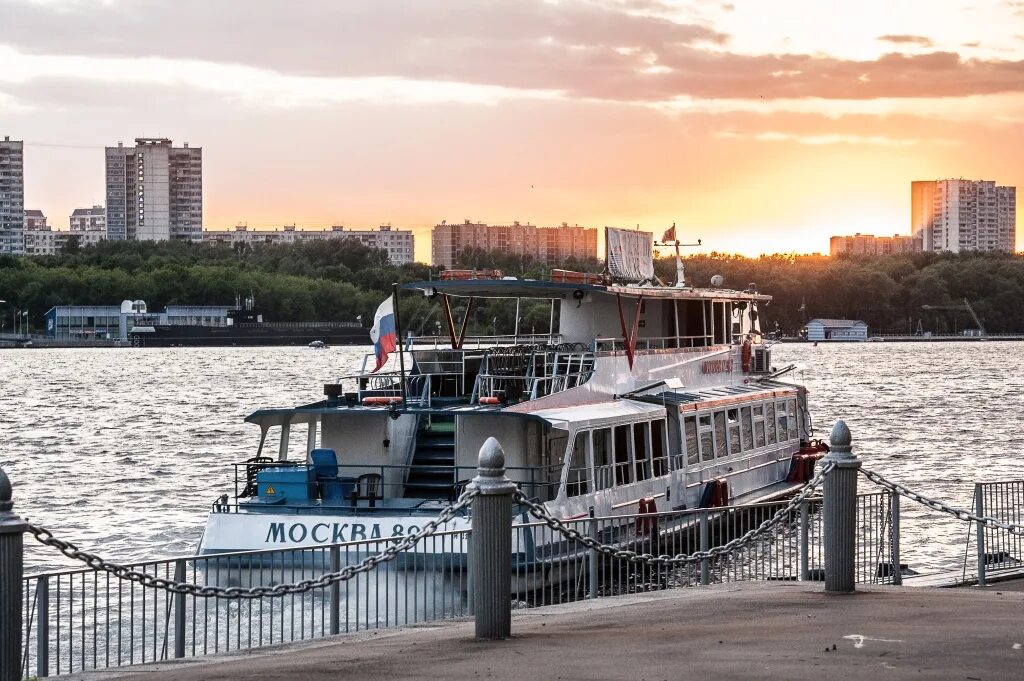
pixel 735 631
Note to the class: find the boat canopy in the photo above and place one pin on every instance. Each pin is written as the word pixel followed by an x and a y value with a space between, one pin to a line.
pixel 601 414
pixel 532 288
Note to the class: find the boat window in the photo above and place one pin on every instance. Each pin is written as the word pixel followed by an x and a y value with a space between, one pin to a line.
pixel 791 412
pixel 758 410
pixel 690 428
pixel 623 476
pixel 659 448
pixel 720 449
pixel 642 450
pixel 604 476
pixel 780 410
pixel 758 427
pixel 745 429
pixel 707 446
pixel 769 421
pixel 576 483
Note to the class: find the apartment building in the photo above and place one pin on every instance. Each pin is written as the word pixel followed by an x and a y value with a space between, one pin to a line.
pixel 12 197
pixel 869 244
pixel 399 243
pixel 964 215
pixel 154 191
pixel 550 245
pixel 88 219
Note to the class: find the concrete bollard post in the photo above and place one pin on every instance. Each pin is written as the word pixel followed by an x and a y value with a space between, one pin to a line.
pixel 839 510
pixel 12 567
pixel 492 545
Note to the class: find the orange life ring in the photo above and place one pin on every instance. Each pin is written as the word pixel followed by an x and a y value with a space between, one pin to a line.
pixel 489 400
pixel 747 354
pixel 378 400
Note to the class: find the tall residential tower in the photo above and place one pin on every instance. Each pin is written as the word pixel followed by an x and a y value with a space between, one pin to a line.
pixel 12 197
pixel 154 191
pixel 963 215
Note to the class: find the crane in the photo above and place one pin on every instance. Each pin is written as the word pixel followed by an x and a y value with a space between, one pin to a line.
pixel 965 306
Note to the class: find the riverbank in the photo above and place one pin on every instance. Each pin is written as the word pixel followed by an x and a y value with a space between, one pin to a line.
pixel 734 631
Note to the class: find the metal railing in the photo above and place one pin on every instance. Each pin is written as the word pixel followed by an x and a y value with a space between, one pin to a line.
pixel 538 482
pixel 80 620
pixel 998 549
pixel 107 615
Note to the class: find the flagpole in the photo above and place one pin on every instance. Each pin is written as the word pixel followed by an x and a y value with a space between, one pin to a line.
pixel 401 342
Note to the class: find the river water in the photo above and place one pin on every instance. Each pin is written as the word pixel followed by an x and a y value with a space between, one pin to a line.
pixel 123 450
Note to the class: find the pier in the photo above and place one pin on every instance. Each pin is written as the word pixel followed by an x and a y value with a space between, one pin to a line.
pixel 728 631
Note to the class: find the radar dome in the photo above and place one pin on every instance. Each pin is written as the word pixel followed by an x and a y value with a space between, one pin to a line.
pixel 717 280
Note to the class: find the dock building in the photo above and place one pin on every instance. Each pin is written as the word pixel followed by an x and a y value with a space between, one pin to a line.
pixel 154 191
pixel 115 322
pixel 550 245
pixel 837 330
pixel 963 215
pixel 12 196
pixel 399 243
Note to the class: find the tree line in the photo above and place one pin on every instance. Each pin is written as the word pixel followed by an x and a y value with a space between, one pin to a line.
pixel 342 280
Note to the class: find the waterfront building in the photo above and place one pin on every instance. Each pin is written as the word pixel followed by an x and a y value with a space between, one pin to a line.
pixel 88 219
pixel 154 191
pixel 92 322
pixel 12 196
pixel 963 215
pixel 837 330
pixel 399 243
pixel 550 245
pixel 869 244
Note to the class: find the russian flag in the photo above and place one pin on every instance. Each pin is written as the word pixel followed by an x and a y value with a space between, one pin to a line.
pixel 383 333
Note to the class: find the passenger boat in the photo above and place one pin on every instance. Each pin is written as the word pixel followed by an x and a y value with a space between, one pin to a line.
pixel 643 397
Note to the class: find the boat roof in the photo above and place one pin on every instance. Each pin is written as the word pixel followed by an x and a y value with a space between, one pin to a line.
pixel 600 414
pixel 719 396
pixel 534 288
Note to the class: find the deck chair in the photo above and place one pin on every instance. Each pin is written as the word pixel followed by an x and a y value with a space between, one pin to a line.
pixel 367 489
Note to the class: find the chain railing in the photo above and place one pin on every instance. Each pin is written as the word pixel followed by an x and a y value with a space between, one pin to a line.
pixel 571 533
pixel 498 563
pixel 128 573
pixel 958 513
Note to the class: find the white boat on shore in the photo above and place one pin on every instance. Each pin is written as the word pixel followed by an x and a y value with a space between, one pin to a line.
pixel 645 397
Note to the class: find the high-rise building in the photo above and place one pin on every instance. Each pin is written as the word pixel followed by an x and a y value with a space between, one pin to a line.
pixel 550 245
pixel 154 191
pixel 12 197
pixel 869 244
pixel 963 215
pixel 399 243
pixel 88 219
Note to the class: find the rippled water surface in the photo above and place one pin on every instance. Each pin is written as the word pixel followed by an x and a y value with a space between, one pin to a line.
pixel 123 450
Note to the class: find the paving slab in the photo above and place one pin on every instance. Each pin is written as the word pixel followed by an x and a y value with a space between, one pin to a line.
pixel 735 631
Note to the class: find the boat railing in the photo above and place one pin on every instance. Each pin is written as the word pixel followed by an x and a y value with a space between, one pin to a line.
pixel 654 343
pixel 537 482
pixel 483 342
pixel 532 372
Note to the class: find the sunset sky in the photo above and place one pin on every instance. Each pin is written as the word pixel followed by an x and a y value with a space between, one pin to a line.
pixel 756 126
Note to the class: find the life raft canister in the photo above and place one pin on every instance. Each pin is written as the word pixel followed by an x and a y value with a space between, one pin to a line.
pixel 747 355
pixel 647 518
pixel 715 494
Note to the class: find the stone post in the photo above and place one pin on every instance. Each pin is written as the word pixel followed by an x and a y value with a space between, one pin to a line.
pixel 839 508
pixel 492 545
pixel 11 572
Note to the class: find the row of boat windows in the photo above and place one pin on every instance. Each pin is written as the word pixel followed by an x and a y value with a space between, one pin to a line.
pixel 639 451
pixel 732 431
pixel 622 455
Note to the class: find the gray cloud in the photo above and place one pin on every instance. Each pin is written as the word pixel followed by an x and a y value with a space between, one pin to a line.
pixel 904 39
pixel 619 50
